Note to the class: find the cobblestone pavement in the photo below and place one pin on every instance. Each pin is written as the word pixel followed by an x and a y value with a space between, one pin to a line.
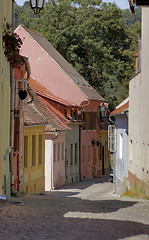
pixel 80 211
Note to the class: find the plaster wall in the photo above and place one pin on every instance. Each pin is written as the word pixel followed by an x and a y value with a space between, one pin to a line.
pixel 59 163
pixel 139 109
pixel 34 174
pixel 72 168
pixel 144 108
pixel 89 163
pixel 48 164
pixel 135 140
pixel 121 154
pixel 103 168
pixel 5 17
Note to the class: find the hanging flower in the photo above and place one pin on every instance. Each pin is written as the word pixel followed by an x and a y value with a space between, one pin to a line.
pixel 12 45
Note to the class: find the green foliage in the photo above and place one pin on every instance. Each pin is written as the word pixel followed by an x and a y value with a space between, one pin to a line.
pixel 130 18
pixel 24 15
pixel 93 37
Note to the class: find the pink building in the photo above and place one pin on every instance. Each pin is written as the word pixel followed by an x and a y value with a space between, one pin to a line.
pixel 55 132
pixel 59 77
pixel 66 148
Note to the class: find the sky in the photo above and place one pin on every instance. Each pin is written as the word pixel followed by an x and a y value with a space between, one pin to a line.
pixel 123 4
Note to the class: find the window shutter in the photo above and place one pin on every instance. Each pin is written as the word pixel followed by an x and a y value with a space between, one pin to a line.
pixel 87 120
pixel 112 138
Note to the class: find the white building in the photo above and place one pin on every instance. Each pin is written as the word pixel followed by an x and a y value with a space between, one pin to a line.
pixel 139 115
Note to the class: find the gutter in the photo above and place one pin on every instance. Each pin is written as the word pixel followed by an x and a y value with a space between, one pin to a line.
pixel 56 133
pixel 119 113
pixel 35 125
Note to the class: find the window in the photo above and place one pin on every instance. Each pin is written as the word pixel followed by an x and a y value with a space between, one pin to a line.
pixel 83 153
pixel 62 150
pixel 40 149
pixel 71 153
pixel 83 118
pixel 112 138
pixel 90 121
pixel 76 153
pixel 121 146
pixel 66 162
pixel 25 151
pixel 54 152
pixel 33 150
pixel 89 153
pixel 87 119
pixel 58 152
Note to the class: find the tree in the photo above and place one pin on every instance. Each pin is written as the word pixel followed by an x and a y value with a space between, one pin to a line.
pixel 130 18
pixel 94 38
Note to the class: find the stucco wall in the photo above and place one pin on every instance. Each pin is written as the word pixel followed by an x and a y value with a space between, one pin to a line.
pixel 103 154
pixel 121 155
pixel 59 164
pixel 72 169
pixel 5 17
pixel 34 174
pixel 139 118
pixel 89 164
pixel 48 164
pixel 144 108
pixel 135 141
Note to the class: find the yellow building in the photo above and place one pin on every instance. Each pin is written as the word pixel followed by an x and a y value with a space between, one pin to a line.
pixel 103 162
pixel 5 17
pixel 35 120
pixel 34 159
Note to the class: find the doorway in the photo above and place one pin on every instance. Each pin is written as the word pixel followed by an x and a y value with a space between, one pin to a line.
pixel 103 161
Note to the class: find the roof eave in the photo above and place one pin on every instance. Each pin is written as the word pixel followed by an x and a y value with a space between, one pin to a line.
pixel 119 113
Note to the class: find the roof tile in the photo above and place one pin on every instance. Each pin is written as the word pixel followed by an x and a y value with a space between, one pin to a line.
pixel 81 83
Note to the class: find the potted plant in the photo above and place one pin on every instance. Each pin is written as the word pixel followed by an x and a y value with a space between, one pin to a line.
pixel 12 45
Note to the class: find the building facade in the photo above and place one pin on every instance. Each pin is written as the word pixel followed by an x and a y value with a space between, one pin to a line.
pixel 5 95
pixel 139 116
pixel 34 159
pixel 120 161
pixel 59 77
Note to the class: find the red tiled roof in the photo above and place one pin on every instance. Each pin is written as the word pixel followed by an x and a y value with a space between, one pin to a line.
pixel 37 113
pixel 120 109
pixel 78 80
pixel 53 111
pixel 44 92
pixel 38 87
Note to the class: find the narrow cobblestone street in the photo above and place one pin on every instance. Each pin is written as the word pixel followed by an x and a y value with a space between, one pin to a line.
pixel 80 211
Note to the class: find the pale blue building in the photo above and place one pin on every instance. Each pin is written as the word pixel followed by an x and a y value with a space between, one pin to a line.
pixel 120 151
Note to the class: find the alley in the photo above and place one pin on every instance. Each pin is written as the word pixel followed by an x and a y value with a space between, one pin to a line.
pixel 84 210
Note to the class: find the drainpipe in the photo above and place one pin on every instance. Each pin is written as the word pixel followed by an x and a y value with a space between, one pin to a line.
pixel 12 113
pixel 80 163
